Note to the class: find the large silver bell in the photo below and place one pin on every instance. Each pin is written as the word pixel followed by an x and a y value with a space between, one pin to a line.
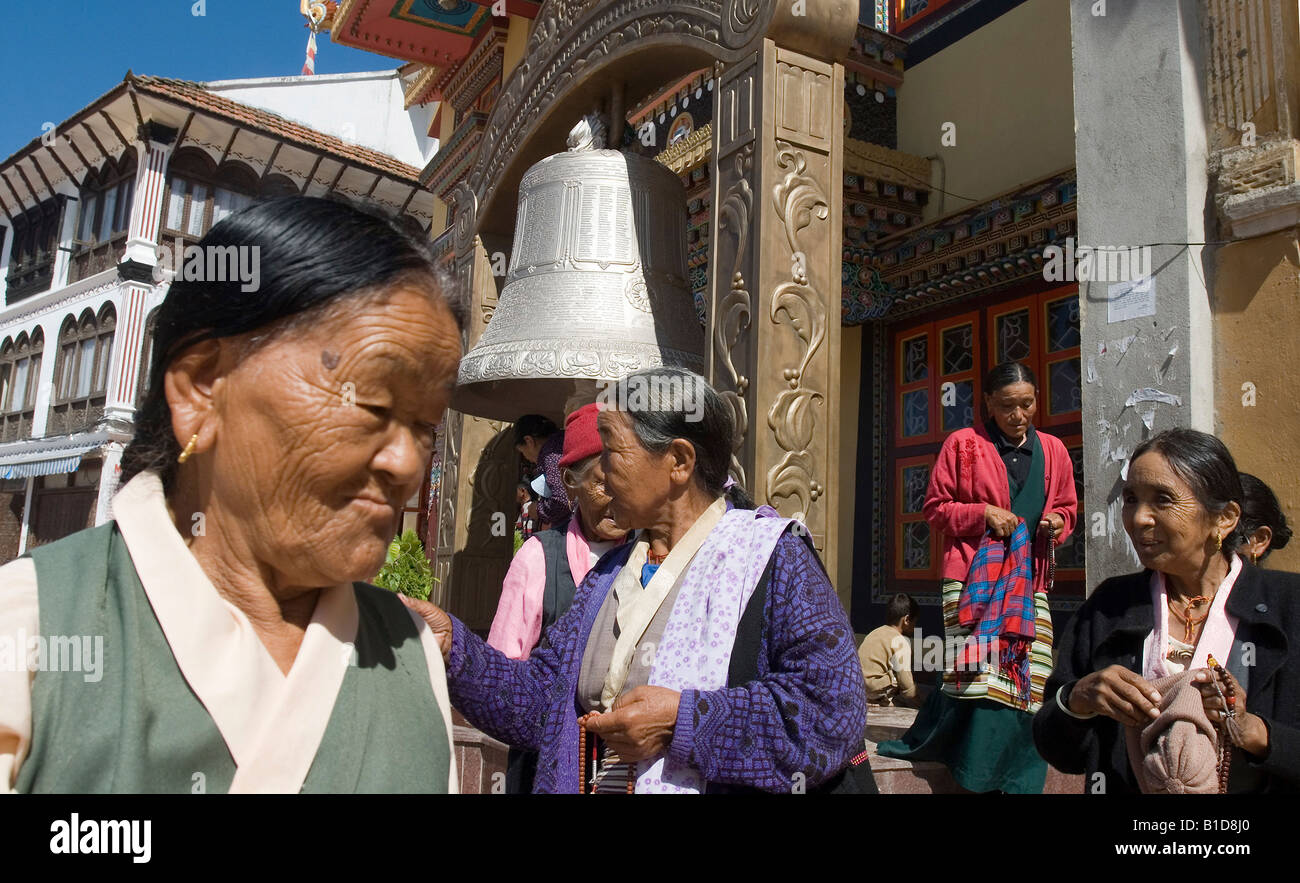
pixel 597 286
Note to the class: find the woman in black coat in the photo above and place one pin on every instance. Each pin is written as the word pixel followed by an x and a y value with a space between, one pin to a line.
pixel 1182 502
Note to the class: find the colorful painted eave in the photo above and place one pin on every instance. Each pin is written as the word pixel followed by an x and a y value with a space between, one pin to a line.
pixel 419 30
pixel 979 248
pixel 878 55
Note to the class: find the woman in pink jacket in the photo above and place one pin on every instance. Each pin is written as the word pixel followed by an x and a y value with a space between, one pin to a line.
pixel 987 480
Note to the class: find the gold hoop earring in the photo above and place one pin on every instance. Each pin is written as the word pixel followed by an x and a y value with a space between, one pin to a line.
pixel 1218 542
pixel 189 449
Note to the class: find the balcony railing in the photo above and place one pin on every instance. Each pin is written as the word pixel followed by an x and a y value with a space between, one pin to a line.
pixel 77 415
pixel 17 425
pixel 29 278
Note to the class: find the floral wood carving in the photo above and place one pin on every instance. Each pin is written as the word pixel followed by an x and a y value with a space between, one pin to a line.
pixel 798 199
pixel 492 482
pixel 464 205
pixel 450 482
pixel 734 309
pixel 740 18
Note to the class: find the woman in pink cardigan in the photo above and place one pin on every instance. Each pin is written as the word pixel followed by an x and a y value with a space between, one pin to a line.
pixel 987 480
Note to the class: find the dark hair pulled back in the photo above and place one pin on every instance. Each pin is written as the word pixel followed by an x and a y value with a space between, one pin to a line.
pixel 670 403
pixel 311 255
pixel 1204 462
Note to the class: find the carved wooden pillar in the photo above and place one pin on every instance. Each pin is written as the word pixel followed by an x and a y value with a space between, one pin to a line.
pixel 778 194
pixel 477 504
pixel 464 207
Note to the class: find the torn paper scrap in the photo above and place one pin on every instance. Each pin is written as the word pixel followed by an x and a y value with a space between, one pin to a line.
pixel 1152 395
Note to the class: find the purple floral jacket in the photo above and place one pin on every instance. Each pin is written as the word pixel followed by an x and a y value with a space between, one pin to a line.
pixel 798 724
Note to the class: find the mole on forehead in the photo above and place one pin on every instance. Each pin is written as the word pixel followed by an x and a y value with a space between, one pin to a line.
pixel 388 357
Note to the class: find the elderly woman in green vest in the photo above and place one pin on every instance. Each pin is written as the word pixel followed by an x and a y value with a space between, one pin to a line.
pixel 283 430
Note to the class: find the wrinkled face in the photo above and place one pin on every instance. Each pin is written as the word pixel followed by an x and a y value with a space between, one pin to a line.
pixel 323 435
pixel 585 484
pixel 1171 531
pixel 1013 408
pixel 637 481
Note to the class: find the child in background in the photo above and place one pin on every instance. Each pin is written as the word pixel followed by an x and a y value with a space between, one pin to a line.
pixel 886 656
pixel 526 523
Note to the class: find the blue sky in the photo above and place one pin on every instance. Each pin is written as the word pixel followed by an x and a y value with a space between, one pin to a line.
pixel 57 56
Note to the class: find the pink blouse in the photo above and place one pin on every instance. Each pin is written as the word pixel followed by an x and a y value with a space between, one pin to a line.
pixel 517 626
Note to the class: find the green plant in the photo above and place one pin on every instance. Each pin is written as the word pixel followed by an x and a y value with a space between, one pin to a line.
pixel 406 570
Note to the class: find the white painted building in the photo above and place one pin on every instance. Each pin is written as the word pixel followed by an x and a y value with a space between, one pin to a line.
pixel 84 212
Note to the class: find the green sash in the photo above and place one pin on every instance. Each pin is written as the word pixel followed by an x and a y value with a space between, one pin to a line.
pixel 1029 501
pixel 140 728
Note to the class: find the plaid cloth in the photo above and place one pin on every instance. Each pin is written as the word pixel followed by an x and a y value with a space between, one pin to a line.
pixel 997 604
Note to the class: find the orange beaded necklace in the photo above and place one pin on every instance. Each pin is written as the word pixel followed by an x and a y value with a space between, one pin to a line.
pixel 1186 618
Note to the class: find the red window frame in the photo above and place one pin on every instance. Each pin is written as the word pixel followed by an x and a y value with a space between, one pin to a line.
pixel 1074 574
pixel 973 375
pixel 927 384
pixel 1045 416
pixel 902 518
pixel 1026 304
pixel 1042 360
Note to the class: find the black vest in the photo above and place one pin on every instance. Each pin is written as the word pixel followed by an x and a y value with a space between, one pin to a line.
pixel 560 587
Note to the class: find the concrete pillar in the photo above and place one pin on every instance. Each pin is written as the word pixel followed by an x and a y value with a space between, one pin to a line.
pixel 1141 156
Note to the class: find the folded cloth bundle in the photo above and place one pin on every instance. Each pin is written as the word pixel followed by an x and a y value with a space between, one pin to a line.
pixel 1177 753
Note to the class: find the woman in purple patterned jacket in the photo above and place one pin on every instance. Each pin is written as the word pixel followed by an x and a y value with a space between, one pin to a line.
pixel 710 654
